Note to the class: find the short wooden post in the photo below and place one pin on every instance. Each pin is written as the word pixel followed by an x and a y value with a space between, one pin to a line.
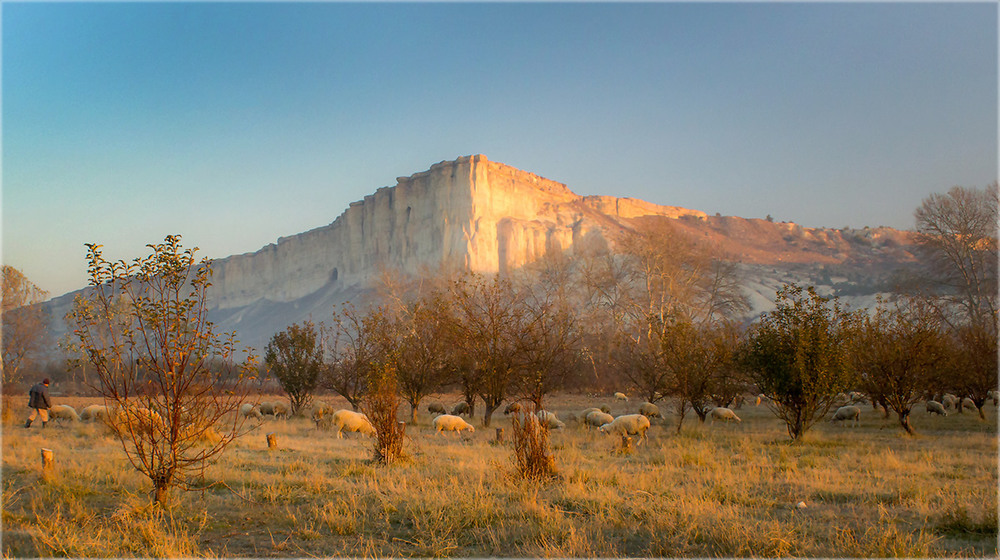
pixel 47 460
pixel 402 427
pixel 272 441
pixel 499 435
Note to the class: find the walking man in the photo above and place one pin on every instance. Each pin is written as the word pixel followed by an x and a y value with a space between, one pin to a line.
pixel 38 402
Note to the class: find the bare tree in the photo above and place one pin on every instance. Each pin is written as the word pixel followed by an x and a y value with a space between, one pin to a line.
pixel 353 345
pixel 422 352
pixel 957 236
pixel 24 323
pixel 488 322
pixel 144 329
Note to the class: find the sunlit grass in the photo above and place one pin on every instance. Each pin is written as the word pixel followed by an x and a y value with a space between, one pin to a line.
pixel 709 491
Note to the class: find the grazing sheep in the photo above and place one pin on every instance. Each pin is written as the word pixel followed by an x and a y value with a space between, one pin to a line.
pixel 597 418
pixel 248 410
pixel 725 414
pixel 630 424
pixel 460 408
pixel 949 400
pixel 266 408
pixel 650 410
pixel 350 421
pixel 452 423
pixel 322 415
pixel 512 408
pixel 934 407
pixel 436 408
pixel 63 412
pixel 849 412
pixel 550 421
pixel 968 403
pixel 621 397
pixel 94 412
pixel 281 409
pixel 141 418
pixel 603 408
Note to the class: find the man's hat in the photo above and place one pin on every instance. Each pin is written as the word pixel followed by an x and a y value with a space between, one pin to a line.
pixel 45 381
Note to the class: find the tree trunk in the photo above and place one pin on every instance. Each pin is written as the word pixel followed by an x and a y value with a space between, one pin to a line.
pixel 904 421
pixel 414 405
pixel 488 415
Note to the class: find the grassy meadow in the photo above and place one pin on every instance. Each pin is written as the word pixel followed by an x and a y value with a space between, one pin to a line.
pixel 731 490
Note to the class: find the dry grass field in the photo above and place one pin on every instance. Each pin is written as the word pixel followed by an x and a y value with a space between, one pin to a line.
pixel 722 490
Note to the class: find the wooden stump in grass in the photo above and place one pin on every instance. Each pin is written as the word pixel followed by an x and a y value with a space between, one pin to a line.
pixel 47 460
pixel 626 444
pixel 402 428
pixel 272 441
pixel 499 435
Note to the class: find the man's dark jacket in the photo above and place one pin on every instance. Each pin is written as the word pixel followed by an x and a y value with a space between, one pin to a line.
pixel 38 396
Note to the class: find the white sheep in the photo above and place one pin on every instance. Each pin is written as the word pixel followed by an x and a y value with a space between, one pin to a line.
pixel 724 414
pixel 597 418
pixel 266 408
pixel 63 412
pixel 550 421
pixel 603 408
pixel 452 423
pixel 849 412
pixel 281 409
pixel 628 424
pixel 650 410
pixel 248 410
pixel 949 400
pixel 621 397
pixel 968 403
pixel 436 408
pixel 322 414
pixel 94 412
pixel 350 421
pixel 934 407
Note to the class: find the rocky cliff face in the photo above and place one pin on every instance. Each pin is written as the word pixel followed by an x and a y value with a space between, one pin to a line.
pixel 488 217
pixel 471 213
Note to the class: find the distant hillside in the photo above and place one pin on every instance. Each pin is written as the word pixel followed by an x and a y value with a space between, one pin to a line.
pixel 488 217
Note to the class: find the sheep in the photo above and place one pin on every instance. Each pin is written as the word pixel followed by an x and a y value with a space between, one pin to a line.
pixel 350 421
pixel 452 423
pixel 321 413
pixel 934 407
pixel 436 408
pixel 603 408
pixel 266 408
pixel 621 397
pixel 94 412
pixel 949 400
pixel 725 414
pixel 140 418
pixel 849 412
pixel 460 408
pixel 597 418
pixel 281 409
pixel 248 410
pixel 63 412
pixel 968 403
pixel 512 408
pixel 629 424
pixel 650 410
pixel 550 421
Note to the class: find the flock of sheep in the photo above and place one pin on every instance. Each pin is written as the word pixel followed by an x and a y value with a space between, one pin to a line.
pixel 325 417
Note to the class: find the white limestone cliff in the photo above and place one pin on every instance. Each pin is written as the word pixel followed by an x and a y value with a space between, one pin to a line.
pixel 471 212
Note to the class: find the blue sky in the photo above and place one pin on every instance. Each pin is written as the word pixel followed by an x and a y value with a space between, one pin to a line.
pixel 234 124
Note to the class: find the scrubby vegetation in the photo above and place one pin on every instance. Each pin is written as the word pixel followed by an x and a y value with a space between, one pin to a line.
pixel 727 490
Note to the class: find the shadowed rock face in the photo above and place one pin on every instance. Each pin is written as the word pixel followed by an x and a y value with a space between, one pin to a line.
pixel 485 216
